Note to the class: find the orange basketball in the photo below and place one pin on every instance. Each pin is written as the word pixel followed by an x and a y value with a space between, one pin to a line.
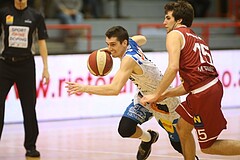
pixel 100 63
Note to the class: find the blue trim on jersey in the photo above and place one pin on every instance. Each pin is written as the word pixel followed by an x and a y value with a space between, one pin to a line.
pixel 133 48
pixel 134 51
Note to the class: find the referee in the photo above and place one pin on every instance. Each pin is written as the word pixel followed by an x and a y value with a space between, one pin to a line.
pixel 20 26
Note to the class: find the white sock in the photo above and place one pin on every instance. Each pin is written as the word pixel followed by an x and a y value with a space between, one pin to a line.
pixel 145 137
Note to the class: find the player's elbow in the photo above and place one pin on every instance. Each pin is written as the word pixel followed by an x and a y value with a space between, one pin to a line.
pixel 174 68
pixel 113 91
pixel 142 41
pixel 116 91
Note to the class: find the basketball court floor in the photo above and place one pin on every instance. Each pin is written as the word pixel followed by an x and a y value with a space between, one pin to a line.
pixel 97 139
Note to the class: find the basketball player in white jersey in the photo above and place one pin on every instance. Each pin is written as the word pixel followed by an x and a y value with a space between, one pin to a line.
pixel 142 72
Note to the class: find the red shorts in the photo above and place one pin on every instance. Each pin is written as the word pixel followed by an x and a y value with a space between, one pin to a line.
pixel 203 110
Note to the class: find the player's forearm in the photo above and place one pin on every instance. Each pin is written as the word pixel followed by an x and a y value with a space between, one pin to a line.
pixel 174 92
pixel 106 90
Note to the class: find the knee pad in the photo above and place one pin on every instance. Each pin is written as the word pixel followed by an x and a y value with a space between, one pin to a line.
pixel 177 146
pixel 127 127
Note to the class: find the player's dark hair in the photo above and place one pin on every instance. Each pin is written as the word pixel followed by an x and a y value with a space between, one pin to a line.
pixel 181 10
pixel 119 32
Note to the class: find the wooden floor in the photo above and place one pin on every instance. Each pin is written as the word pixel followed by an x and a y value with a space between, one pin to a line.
pixel 97 139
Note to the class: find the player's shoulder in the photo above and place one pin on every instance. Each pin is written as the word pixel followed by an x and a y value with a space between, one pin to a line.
pixel 132 48
pixel 176 32
pixel 132 41
pixel 176 35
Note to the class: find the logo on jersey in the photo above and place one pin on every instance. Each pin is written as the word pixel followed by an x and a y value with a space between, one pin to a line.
pixel 28 21
pixel 9 19
pixel 18 36
pixel 197 121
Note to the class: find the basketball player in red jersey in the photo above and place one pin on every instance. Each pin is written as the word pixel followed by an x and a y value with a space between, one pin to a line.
pixel 190 55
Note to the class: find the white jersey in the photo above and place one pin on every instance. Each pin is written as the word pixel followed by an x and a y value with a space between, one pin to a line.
pixel 147 84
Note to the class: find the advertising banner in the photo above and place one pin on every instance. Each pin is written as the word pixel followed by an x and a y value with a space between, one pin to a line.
pixel 54 103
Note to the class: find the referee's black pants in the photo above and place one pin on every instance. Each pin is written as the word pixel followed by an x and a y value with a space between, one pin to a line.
pixel 23 74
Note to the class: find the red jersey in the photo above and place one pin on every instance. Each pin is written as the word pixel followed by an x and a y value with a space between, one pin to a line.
pixel 196 64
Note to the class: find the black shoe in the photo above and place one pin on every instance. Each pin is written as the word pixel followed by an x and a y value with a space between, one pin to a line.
pixel 144 149
pixel 32 153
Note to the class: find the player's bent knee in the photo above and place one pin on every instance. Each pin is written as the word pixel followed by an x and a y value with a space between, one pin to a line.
pixel 126 132
pixel 127 127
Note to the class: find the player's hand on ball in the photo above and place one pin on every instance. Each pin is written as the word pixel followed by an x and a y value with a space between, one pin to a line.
pixel 105 50
pixel 74 88
pixel 100 62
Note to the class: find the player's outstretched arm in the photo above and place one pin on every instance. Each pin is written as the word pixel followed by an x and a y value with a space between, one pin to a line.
pixel 112 89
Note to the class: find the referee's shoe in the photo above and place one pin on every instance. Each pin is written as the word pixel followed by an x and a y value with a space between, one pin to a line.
pixel 144 149
pixel 32 153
